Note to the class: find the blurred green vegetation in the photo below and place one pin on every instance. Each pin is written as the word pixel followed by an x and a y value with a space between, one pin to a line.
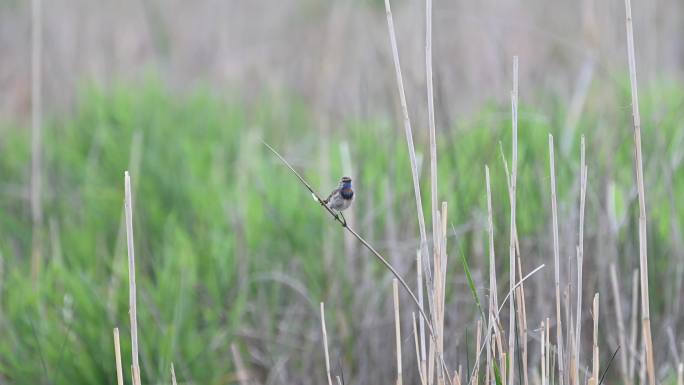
pixel 214 211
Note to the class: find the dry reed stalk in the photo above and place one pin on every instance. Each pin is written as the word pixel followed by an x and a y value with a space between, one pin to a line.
pixel 397 328
pixel 620 323
pixel 128 202
pixel 543 353
pixel 325 344
pixel 242 373
pixel 634 330
pixel 414 173
pixel 643 256
pixel 580 260
pixel 420 363
pixel 478 345
pixel 556 258
pixel 173 375
pixel 36 138
pixel 680 374
pixel 548 350
pixel 421 356
pixel 117 357
pixel 595 356
pixel 512 193
pixel 522 327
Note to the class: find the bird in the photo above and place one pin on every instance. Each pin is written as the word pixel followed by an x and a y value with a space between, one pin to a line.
pixel 341 198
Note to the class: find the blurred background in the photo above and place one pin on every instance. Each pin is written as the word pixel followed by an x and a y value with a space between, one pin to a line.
pixel 233 257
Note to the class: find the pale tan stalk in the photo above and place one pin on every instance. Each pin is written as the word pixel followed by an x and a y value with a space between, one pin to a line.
pixel 173 375
pixel 36 137
pixel 397 328
pixel 643 256
pixel 242 373
pixel 117 357
pixel 543 354
pixel 325 344
pixel 128 202
pixel 620 323
pixel 520 298
pixel 595 358
pixel 414 173
pixel 478 346
pixel 421 357
pixel 556 258
pixel 421 370
pixel 634 331
pixel 548 350
pixel 680 374
pixel 512 193
pixel 580 261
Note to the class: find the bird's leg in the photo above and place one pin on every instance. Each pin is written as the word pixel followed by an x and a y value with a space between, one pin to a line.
pixel 344 220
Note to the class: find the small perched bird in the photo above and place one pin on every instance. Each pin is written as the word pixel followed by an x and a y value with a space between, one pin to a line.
pixel 341 198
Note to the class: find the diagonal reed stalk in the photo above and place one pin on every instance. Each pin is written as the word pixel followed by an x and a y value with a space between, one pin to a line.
pixel 643 256
pixel 356 235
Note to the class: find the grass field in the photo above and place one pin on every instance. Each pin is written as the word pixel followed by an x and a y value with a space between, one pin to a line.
pixel 232 250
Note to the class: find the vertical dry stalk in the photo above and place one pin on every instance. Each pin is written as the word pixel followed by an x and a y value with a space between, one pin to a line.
pixel 620 323
pixel 36 137
pixel 242 373
pixel 414 173
pixel 634 331
pixel 513 183
pixel 325 344
pixel 421 364
pixel 128 201
pixel 397 328
pixel 117 357
pixel 548 350
pixel 436 243
pixel 556 258
pixel 580 260
pixel 522 327
pixel 478 345
pixel 421 356
pixel 173 375
pixel 543 354
pixel 680 374
pixel 493 298
pixel 595 357
pixel 643 256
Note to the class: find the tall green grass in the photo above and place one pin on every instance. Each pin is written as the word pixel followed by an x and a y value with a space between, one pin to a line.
pixel 229 246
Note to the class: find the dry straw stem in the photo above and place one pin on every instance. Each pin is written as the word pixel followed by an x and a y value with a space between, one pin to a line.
pixel 397 327
pixel 128 202
pixel 595 356
pixel 634 331
pixel 117 356
pixel 513 184
pixel 325 344
pixel 414 173
pixel 643 257
pixel 421 364
pixel 556 258
pixel 173 375
pixel 36 137
pixel 680 374
pixel 620 323
pixel 543 353
pixel 242 373
pixel 580 260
